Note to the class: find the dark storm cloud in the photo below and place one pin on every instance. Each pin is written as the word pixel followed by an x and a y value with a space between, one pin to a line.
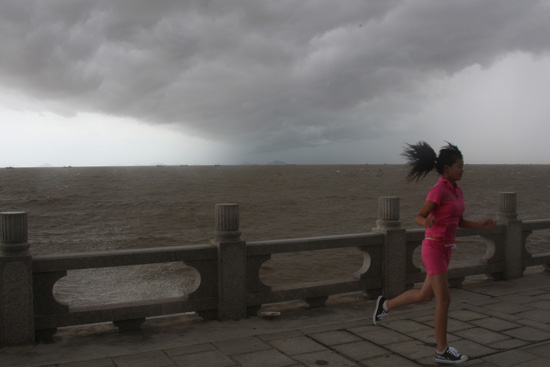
pixel 275 74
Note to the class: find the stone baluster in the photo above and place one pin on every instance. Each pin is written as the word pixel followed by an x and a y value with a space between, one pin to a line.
pixel 395 246
pixel 507 206
pixel 388 213
pixel 231 263
pixel 507 215
pixel 16 300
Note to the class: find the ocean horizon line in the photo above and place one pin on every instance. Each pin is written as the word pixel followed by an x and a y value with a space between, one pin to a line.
pixel 255 164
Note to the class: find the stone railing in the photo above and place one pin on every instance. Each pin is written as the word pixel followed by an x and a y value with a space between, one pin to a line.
pixel 229 286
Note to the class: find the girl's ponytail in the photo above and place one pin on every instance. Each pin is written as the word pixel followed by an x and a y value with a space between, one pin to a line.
pixel 421 158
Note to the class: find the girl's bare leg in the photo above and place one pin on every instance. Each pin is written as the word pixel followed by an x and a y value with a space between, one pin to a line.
pixel 440 288
pixel 434 285
pixel 424 294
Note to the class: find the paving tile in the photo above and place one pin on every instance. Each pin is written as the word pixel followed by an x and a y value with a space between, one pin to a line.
pixel 534 324
pixel 528 334
pixel 508 344
pixel 335 337
pixel 465 315
pixel 464 295
pixel 210 359
pixel 534 363
pixel 320 329
pixel 282 335
pixel 456 325
pixel 536 315
pixel 390 360
pixel 405 326
pixel 472 349
pixel 189 349
pixel 424 319
pixel 481 336
pixel 541 350
pixel 429 361
pixel 360 350
pixel 146 359
pixel 535 292
pixel 264 358
pixel 509 358
pixel 483 301
pixel 474 362
pixel 324 358
pixel 241 345
pixel 383 336
pixel 541 305
pixel 413 349
pixel 518 298
pixel 495 324
pixel 101 362
pixel 428 336
pixel 507 307
pixel 495 289
pixel 363 329
pixel 471 362
pixel 355 323
pixel 297 345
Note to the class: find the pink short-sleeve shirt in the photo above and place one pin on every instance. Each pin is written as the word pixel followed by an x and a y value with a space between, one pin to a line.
pixel 450 207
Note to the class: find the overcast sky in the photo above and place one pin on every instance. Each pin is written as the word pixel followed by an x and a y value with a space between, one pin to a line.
pixel 307 82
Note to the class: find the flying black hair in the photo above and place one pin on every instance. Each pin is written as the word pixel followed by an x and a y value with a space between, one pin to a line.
pixel 422 159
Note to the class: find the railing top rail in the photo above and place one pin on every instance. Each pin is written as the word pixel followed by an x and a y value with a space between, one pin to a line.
pixel 414 234
pixel 535 224
pixel 418 233
pixel 89 260
pixel 314 243
pixel 465 232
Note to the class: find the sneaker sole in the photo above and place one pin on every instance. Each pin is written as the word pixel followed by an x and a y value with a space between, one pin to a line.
pixel 451 362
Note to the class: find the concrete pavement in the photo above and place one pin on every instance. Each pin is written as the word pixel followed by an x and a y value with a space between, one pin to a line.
pixel 504 323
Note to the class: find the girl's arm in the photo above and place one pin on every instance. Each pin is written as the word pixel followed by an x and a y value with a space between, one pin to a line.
pixel 485 223
pixel 423 218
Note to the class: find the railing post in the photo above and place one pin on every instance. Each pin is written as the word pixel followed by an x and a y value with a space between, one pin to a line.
pixel 395 246
pixel 507 215
pixel 231 263
pixel 16 302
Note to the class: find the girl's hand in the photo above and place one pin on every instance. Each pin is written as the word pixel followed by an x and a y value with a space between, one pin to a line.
pixel 487 223
pixel 429 221
pixel 424 218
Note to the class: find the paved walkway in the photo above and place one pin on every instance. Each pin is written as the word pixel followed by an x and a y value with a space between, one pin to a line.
pixel 504 323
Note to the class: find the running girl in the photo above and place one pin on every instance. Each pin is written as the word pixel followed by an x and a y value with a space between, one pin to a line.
pixel 441 215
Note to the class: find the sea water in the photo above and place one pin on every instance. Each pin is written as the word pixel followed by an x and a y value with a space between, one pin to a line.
pixel 109 208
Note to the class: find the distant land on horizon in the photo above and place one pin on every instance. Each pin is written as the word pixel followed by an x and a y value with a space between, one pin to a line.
pixel 272 163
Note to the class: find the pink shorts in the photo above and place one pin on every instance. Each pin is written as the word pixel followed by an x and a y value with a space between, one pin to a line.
pixel 436 256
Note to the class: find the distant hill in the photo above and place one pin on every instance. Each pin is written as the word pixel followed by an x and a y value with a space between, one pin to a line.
pixel 277 163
